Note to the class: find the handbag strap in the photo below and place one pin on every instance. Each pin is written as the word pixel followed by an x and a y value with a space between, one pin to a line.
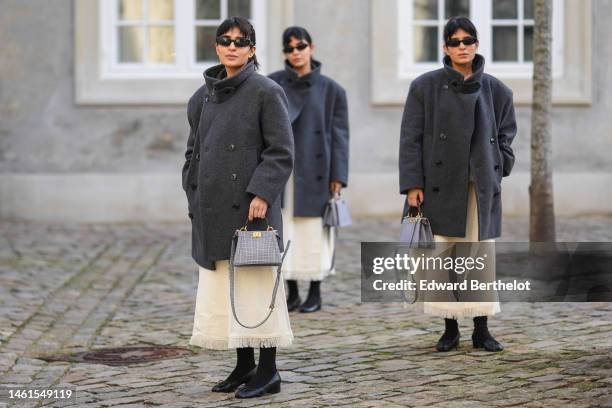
pixel 333 258
pixel 232 278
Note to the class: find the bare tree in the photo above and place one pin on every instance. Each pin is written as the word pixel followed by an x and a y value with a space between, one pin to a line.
pixel 542 211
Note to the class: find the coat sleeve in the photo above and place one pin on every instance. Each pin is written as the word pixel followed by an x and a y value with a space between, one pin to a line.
pixel 190 143
pixel 340 140
pixel 272 173
pixel 411 142
pixel 507 132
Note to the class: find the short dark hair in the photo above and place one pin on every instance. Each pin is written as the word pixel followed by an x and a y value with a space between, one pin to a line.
pixel 456 23
pixel 246 29
pixel 297 32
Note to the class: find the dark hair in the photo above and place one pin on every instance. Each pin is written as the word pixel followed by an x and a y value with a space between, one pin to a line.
pixel 297 32
pixel 456 23
pixel 246 29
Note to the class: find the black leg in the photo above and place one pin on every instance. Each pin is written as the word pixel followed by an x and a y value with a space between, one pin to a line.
pixel 293 299
pixel 243 372
pixel 266 380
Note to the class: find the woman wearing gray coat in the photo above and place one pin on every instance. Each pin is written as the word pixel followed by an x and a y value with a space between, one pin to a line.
pixel 319 117
pixel 456 132
pixel 238 159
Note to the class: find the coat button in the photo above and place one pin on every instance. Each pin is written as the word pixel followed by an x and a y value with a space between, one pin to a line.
pixel 231 147
pixel 492 140
pixel 435 189
pixel 496 167
pixel 190 215
pixel 234 176
pixel 319 177
pixel 442 136
pixel 439 163
pixel 319 155
pixel 197 156
pixel 318 131
pixel 236 206
pixel 194 186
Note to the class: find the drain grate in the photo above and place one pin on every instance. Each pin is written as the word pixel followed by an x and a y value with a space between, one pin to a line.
pixel 122 355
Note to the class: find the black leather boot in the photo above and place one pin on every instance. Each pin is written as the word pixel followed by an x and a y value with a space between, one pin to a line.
pixel 313 301
pixel 481 338
pixel 245 370
pixel 293 299
pixel 450 338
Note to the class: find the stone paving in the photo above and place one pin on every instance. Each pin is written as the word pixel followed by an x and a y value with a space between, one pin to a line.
pixel 66 288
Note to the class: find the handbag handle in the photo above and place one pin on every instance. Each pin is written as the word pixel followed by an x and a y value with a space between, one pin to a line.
pixel 268 228
pixel 419 213
pixel 231 277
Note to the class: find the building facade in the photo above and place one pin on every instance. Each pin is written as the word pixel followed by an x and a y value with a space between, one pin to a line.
pixel 94 92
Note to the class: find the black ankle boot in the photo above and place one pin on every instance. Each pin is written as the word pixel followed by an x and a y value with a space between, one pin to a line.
pixel 481 338
pixel 313 301
pixel 267 379
pixel 450 338
pixel 245 370
pixel 293 299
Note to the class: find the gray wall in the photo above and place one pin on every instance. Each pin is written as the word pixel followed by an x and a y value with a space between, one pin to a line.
pixel 44 135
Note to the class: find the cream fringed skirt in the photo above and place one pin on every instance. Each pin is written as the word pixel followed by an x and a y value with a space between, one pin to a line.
pixel 312 244
pixel 214 326
pixel 457 310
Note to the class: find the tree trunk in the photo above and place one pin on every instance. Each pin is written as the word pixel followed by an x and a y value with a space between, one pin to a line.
pixel 542 212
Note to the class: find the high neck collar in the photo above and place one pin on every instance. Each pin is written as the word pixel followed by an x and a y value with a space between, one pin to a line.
pixel 304 80
pixel 218 83
pixel 456 79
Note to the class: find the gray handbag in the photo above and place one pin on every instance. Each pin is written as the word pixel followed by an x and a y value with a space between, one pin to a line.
pixel 416 230
pixel 337 213
pixel 256 248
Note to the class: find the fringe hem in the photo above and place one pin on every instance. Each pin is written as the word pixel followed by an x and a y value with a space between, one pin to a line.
pixel 307 275
pixel 238 342
pixel 258 342
pixel 430 308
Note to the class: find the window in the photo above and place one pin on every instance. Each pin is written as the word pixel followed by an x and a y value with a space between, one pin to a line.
pixel 168 38
pixel 505 30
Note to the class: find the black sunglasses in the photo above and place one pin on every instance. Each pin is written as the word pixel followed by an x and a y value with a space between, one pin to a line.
pixel 289 49
pixel 454 42
pixel 239 42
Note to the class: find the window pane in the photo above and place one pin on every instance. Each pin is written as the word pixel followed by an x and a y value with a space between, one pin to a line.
pixel 455 8
pixel 131 43
pixel 161 10
pixel 505 44
pixel 130 9
pixel 161 45
pixel 528 44
pixel 239 8
pixel 205 44
pixel 425 9
pixel 505 9
pixel 425 44
pixel 208 9
pixel 528 12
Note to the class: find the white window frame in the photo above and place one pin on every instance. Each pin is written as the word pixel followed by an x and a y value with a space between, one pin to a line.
pixel 96 84
pixel 184 23
pixel 481 15
pixel 572 78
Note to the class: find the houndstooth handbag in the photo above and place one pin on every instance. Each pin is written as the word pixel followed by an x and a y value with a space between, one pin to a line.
pixel 256 248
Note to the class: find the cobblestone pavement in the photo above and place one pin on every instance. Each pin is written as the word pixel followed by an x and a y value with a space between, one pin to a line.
pixel 70 288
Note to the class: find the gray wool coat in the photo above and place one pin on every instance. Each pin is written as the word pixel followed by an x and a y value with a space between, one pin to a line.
pixel 240 146
pixel 319 116
pixel 454 131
